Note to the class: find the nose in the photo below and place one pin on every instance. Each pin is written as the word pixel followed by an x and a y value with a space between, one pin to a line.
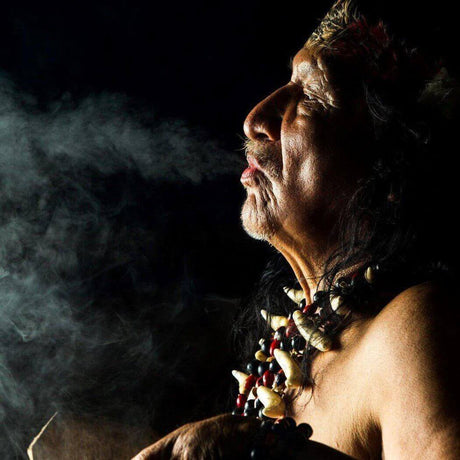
pixel 263 122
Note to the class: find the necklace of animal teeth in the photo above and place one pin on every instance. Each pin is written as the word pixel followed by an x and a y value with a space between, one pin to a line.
pixel 308 328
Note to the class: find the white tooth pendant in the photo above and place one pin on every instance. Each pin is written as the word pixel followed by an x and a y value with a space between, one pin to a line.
pixel 296 295
pixel 290 367
pixel 274 406
pixel 275 321
pixel 337 304
pixel 241 377
pixel 369 275
pixel 313 337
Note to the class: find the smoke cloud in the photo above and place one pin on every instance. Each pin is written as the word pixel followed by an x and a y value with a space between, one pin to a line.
pixel 103 229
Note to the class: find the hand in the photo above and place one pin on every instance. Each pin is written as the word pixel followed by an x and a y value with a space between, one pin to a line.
pixel 222 437
pixel 227 437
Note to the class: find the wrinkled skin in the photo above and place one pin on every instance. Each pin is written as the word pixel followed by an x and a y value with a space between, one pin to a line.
pixel 309 143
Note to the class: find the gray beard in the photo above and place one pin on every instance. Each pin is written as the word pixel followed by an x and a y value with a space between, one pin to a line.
pixel 258 222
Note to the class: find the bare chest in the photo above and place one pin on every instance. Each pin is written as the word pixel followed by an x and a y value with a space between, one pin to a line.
pixel 339 407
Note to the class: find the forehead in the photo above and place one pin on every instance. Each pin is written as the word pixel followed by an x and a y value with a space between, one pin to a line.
pixel 307 65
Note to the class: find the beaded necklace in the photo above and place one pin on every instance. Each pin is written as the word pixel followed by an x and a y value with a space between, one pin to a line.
pixel 307 330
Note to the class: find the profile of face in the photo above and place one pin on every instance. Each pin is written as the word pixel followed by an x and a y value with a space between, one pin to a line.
pixel 306 150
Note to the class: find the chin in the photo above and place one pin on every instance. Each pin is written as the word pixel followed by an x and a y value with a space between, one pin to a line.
pixel 257 220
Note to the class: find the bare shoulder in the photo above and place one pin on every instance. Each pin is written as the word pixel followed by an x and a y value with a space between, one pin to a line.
pixel 415 363
pixel 415 336
pixel 426 314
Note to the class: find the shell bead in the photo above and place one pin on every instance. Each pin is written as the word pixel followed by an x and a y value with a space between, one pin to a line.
pixel 260 356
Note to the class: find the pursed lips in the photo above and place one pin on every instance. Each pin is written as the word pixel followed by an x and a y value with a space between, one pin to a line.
pixel 248 178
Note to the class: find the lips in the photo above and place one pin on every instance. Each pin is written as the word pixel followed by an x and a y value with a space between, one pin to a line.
pixel 250 174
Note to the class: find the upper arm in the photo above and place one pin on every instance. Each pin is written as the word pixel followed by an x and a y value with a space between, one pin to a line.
pixel 417 402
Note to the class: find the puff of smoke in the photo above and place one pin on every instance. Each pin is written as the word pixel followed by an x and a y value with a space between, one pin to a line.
pixel 95 314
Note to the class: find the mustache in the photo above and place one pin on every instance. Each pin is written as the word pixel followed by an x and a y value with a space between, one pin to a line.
pixel 267 155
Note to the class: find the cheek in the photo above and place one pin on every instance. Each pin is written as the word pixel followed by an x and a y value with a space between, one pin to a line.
pixel 302 159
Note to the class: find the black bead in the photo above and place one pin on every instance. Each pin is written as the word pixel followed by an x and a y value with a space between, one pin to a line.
pixel 249 405
pixel 298 343
pixel 251 412
pixel 265 347
pixel 252 367
pixel 274 367
pixel 261 368
pixel 319 295
pixel 279 428
pixel 285 345
pixel 266 425
pixel 341 283
pixel 305 429
pixel 261 415
pixel 302 304
pixel 258 404
pixel 289 422
pixel 279 334
pixel 280 379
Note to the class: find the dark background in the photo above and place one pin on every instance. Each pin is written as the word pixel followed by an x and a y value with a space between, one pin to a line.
pixel 186 259
pixel 207 62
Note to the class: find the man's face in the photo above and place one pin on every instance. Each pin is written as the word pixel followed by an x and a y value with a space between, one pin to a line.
pixel 306 151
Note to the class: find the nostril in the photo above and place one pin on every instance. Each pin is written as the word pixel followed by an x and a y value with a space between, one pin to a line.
pixel 261 136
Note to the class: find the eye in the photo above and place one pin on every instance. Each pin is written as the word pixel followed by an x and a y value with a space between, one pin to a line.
pixel 308 97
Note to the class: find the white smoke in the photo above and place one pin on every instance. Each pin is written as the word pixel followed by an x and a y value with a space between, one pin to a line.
pixel 75 181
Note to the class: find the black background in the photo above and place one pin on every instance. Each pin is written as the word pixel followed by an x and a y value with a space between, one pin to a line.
pixel 203 62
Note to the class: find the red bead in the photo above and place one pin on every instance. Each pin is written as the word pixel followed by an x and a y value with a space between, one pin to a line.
pixel 268 379
pixel 291 330
pixel 241 401
pixel 307 308
pixel 250 382
pixel 275 344
pixel 259 382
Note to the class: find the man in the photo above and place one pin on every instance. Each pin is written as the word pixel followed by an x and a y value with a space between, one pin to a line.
pixel 340 162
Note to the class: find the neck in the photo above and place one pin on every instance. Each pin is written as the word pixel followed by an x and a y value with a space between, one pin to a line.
pixel 306 260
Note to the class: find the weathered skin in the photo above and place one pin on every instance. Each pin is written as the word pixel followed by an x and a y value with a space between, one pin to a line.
pixel 389 388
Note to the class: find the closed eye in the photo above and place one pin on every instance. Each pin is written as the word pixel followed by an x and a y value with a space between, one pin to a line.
pixel 308 97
